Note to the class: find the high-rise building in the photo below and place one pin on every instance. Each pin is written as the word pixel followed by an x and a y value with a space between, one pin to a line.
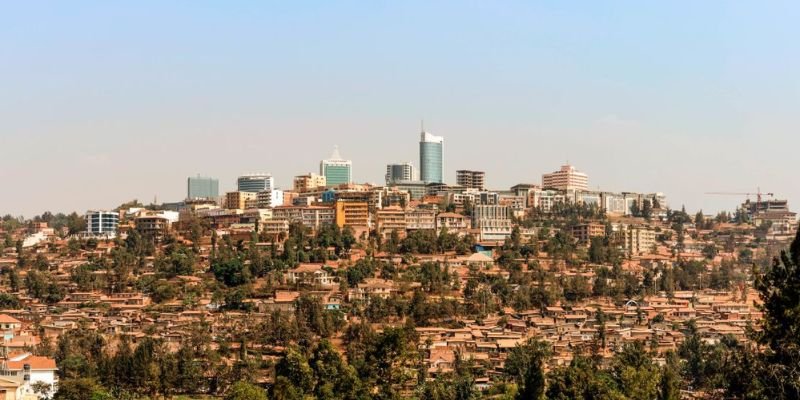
pixel 430 158
pixel 567 178
pixel 200 187
pixel 336 170
pixel 400 173
pixel 102 223
pixel 471 179
pixel 309 182
pixel 254 183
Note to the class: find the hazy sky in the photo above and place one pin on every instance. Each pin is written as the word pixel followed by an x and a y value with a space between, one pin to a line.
pixel 103 102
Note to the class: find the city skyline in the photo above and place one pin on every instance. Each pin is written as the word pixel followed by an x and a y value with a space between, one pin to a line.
pixel 702 106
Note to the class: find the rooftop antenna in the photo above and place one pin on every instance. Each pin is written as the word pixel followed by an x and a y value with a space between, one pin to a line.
pixel 422 125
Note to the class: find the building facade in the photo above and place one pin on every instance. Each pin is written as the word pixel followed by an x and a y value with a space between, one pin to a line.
pixel 390 219
pixel 336 170
pixel 352 213
pixel 493 222
pixel 430 158
pixel 269 198
pixel 309 182
pixel 241 200
pixel 400 173
pixel 254 183
pixel 567 178
pixel 102 223
pixel 313 217
pixel 202 188
pixel 471 179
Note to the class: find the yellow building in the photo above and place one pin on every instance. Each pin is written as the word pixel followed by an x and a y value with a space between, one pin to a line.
pixel 309 182
pixel 352 213
pixel 240 200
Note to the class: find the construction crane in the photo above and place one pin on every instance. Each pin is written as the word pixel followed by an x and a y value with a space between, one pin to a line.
pixel 758 193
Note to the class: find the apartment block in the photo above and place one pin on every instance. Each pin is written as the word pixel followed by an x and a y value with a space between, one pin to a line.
pixel 312 217
pixel 309 182
pixel 390 219
pixel 241 200
pixel 567 178
pixel 584 233
pixel 493 222
pixel 352 213
pixel 420 218
pixel 471 179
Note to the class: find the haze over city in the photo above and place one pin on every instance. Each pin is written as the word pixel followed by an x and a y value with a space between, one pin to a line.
pixel 104 103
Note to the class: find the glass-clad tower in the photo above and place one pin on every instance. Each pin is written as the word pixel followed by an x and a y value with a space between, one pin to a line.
pixel 202 188
pixel 336 170
pixel 430 158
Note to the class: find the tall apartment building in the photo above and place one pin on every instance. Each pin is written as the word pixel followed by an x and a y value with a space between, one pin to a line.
pixel 636 239
pixel 309 182
pixel 390 219
pixel 336 170
pixel 102 223
pixel 241 200
pixel 567 178
pixel 430 157
pixel 420 219
pixel 202 188
pixel 493 222
pixel 471 179
pixel 254 183
pixel 403 172
pixel 269 198
pixel 584 233
pixel 352 213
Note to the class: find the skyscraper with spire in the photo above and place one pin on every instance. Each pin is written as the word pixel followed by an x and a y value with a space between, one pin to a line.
pixel 430 157
pixel 336 170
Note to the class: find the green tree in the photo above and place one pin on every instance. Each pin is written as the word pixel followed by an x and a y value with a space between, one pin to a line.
pixel 81 389
pixel 779 288
pixel 525 365
pixel 245 391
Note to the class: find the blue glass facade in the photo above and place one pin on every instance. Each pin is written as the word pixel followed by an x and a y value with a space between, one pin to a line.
pixel 430 158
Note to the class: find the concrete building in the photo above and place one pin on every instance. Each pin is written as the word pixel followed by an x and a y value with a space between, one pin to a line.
pixel 102 223
pixel 545 199
pixel 584 233
pixel 312 217
pixel 269 198
pixel 420 218
pixel 202 188
pixel 493 222
pixel 156 226
pixel 636 239
pixel 471 179
pixel 400 173
pixel 275 228
pixel 390 219
pixel 567 178
pixel 241 200
pixel 453 222
pixel 352 213
pixel 20 373
pixel 254 183
pixel 336 170
pixel 431 157
pixel 309 182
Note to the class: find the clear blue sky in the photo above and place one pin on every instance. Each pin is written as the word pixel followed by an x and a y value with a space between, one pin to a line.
pixel 103 102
